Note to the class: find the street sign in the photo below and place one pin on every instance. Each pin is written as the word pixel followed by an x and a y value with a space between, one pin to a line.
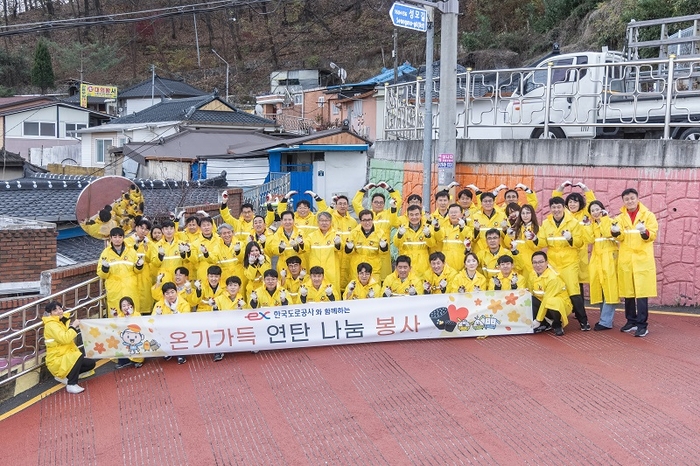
pixel 409 17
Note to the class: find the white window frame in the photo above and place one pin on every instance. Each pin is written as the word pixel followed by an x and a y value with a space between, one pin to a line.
pixel 72 132
pixel 298 99
pixel 335 108
pixel 321 101
pixel 42 125
pixel 101 155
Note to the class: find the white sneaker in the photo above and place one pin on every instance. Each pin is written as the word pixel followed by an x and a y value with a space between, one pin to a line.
pixel 60 380
pixel 74 389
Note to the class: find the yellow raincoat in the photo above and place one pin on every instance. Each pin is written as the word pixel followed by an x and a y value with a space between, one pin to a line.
pixel 602 268
pixel 636 266
pixel 324 253
pixel 562 256
pixel 550 289
pixel 61 350
pixel 121 277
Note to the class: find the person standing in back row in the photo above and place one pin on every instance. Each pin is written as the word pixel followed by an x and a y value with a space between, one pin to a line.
pixel 635 228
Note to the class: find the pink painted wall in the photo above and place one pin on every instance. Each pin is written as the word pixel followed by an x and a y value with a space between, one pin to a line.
pixel 672 194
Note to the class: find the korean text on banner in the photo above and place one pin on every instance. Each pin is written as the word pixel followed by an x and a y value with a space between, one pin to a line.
pixel 475 314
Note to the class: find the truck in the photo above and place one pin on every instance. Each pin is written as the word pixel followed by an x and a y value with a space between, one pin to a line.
pixel 592 94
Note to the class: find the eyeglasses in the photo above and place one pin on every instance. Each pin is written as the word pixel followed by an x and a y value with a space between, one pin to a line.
pixel 538 262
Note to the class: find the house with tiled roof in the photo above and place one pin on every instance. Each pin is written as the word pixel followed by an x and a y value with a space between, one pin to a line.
pixel 156 123
pixel 43 130
pixel 153 91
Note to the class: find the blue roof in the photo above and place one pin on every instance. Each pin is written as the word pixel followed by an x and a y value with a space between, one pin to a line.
pixel 386 75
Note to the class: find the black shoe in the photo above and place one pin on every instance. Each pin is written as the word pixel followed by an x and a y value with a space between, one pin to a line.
pixel 585 326
pixel 628 327
pixel 543 328
pixel 218 357
pixel 559 331
pixel 181 360
pixel 641 332
pixel 597 327
pixel 167 358
pixel 123 365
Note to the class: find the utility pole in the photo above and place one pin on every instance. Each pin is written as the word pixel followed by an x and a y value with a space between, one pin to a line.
pixel 428 111
pixel 447 119
pixel 227 68
pixel 196 40
pixel 153 84
pixel 395 54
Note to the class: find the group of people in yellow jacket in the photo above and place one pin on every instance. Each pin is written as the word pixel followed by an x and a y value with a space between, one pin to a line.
pixel 469 242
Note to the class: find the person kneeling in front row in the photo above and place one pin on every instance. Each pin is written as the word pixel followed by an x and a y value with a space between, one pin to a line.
pixel 550 300
pixel 64 359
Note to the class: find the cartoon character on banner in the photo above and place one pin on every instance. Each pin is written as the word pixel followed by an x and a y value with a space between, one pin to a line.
pixel 134 340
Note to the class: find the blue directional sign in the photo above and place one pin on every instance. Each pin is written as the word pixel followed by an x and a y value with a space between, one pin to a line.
pixel 409 17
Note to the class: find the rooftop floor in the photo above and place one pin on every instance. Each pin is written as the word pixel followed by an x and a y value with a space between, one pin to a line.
pixel 584 398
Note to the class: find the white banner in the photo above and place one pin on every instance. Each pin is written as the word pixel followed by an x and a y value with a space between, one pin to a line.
pixel 475 314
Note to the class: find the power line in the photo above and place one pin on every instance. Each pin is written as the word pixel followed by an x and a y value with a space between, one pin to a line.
pixel 124 18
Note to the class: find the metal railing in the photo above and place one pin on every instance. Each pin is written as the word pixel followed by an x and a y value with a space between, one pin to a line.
pixel 295 124
pixel 22 346
pixel 278 185
pixel 579 98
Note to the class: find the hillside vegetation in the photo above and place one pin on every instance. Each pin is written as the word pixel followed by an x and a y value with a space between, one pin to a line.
pixel 259 37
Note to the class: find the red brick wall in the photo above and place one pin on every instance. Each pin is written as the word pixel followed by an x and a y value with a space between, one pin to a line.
pixel 25 253
pixel 235 199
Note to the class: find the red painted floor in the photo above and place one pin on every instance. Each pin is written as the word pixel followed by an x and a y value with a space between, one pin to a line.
pixel 585 398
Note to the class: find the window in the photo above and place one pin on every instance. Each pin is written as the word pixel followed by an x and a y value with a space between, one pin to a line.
pixel 321 100
pixel 39 128
pixel 71 129
pixel 102 147
pixel 335 109
pixel 298 99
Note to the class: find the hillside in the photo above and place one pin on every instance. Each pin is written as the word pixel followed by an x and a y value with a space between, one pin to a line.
pixel 258 37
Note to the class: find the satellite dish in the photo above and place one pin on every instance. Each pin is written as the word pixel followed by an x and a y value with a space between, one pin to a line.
pixel 258 109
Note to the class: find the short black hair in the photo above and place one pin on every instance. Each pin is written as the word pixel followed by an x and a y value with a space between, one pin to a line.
pixel 167 286
pixel 190 218
pixel 414 196
pixel 247 205
pixel 183 270
pixel 287 212
pixel 556 200
pixel 316 270
pixel 486 194
pixel 403 258
pixel 270 273
pixel 539 253
pixel 304 202
pixel 51 305
pixel 413 207
pixel 504 258
pixel 116 231
pixel 364 266
pixel 214 270
pixel 233 279
pixel 629 191
pixel 379 195
pixel 492 231
pixel 293 260
pixel 437 255
pixel 443 193
pixel 465 192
